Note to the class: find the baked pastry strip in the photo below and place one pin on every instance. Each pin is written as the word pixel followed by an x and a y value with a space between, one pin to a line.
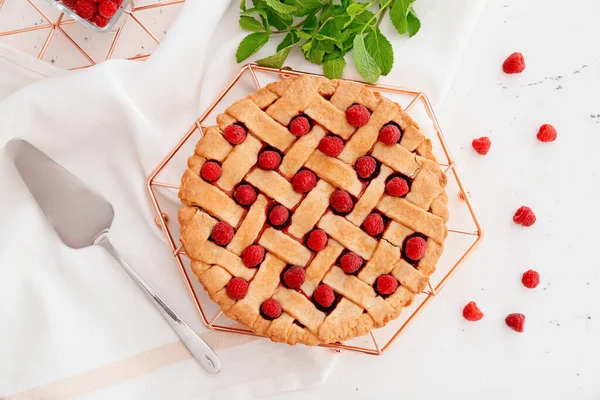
pixel 398 158
pixel 335 172
pixel 274 186
pixel 409 277
pixel 413 217
pixel 396 233
pixel 251 226
pixel 284 247
pixel 311 209
pixel 296 156
pixel 301 92
pixel 213 145
pixel 196 227
pixel 238 162
pixel 370 197
pixel 299 307
pixel 385 257
pixel 348 234
pixel 427 185
pixel 341 321
pixel 329 116
pixel 319 266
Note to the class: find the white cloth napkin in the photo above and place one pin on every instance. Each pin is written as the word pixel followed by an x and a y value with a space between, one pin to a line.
pixel 72 324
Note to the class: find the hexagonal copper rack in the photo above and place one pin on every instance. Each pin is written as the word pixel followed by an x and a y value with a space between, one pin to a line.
pixel 446 268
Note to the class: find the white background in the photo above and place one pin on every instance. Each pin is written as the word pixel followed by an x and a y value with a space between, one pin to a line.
pixel 558 355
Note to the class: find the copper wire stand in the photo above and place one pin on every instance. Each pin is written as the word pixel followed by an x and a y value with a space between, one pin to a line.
pixel 57 25
pixel 450 170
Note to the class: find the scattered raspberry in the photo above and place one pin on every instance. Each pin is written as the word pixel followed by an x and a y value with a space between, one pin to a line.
pixel 547 133
pixel 85 9
pixel 397 187
pixel 514 64
pixel 341 201
pixel 304 181
pixel 235 134
pixel 278 215
pixel 524 216
pixel 331 146
pixel 271 308
pixel 317 240
pixel 253 255
pixel 107 8
pixel 222 233
pixel 210 171
pixel 389 134
pixel 415 248
pixel 386 285
pixel 471 312
pixel 482 145
pixel 69 3
pixel 516 322
pixel 324 295
pixel 245 195
pixel 99 21
pixel 269 160
pixel 294 277
pixel 531 279
pixel 365 166
pixel 299 126
pixel 350 262
pixel 237 288
pixel 373 224
pixel 358 115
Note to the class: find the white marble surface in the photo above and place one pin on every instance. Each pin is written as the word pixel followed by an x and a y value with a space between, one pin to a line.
pixel 558 356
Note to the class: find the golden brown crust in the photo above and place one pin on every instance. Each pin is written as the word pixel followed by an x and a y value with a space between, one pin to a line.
pixel 266 114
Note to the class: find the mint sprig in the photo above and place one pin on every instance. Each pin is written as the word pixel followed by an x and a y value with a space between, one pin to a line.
pixel 325 31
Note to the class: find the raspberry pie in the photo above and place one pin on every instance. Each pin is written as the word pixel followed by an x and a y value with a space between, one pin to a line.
pixel 314 212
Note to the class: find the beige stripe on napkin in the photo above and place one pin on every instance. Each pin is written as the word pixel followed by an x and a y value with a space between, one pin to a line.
pixel 129 368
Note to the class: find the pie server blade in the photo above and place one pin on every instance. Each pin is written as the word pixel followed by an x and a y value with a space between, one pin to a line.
pixel 82 218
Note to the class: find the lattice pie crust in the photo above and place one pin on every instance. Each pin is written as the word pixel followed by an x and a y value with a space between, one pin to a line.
pixel 358 307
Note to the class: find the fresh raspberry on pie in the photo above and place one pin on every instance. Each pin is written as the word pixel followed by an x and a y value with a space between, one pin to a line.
pixel 514 64
pixel 324 295
pixel 253 255
pixel 415 248
pixel 271 308
pixel 237 288
pixel 299 126
pixel 358 115
pixel 235 134
pixel 317 240
pixel 99 20
pixel 107 8
pixel 350 262
pixel 373 224
pixel 341 201
pixel 386 285
pixel 331 146
pixel 397 186
pixel 531 279
pixel 278 215
pixel 389 134
pixel 294 277
pixel 222 233
pixel 482 145
pixel 304 181
pixel 516 322
pixel 471 312
pixel 524 216
pixel 210 171
pixel 69 3
pixel 547 133
pixel 269 160
pixel 245 195
pixel 365 166
pixel 85 9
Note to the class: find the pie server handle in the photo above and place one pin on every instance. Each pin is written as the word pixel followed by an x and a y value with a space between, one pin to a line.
pixel 201 351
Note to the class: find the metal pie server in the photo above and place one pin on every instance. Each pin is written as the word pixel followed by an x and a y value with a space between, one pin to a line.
pixel 83 218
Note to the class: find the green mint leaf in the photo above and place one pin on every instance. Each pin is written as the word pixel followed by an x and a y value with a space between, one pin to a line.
pixel 358 23
pixel 289 40
pixel 279 21
pixel 251 11
pixel 413 23
pixel 356 8
pixel 304 7
pixel 279 7
pixel 316 56
pixel 310 23
pixel 334 69
pixel 276 60
pixel 250 45
pixel 366 66
pixel 326 12
pixel 398 14
pixel 250 24
pixel 243 5
pixel 381 50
